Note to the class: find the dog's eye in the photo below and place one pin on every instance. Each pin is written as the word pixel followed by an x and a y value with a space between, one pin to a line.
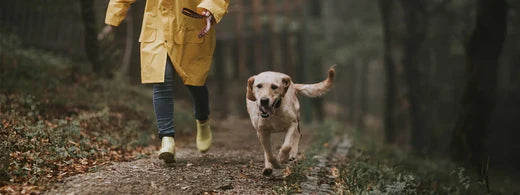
pixel 259 86
pixel 273 87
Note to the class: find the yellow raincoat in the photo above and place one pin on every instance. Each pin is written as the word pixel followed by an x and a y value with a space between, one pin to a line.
pixel 167 32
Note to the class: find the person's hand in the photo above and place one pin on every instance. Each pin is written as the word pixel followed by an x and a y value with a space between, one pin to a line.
pixel 104 32
pixel 209 21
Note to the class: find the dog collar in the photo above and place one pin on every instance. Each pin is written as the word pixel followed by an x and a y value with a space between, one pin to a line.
pixel 278 102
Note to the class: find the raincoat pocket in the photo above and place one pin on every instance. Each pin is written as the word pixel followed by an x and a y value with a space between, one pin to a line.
pixel 188 36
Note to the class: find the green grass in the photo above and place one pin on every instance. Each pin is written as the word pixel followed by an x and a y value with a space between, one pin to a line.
pixel 377 168
pixel 372 167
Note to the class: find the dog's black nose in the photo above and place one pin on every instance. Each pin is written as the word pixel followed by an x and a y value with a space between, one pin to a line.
pixel 264 102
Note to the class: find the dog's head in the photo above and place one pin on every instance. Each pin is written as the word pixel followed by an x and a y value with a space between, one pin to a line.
pixel 267 89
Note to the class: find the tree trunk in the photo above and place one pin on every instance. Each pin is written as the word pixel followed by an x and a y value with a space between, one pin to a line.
pixel 352 90
pixel 273 38
pixel 404 25
pixel 415 32
pixel 482 54
pixel 364 96
pixel 220 68
pixel 385 8
pixel 258 40
pixel 241 44
pixel 91 43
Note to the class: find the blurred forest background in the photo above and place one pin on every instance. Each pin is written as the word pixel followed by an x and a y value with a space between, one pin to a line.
pixel 437 78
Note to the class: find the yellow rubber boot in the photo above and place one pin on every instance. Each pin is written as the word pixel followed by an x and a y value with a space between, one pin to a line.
pixel 203 136
pixel 167 151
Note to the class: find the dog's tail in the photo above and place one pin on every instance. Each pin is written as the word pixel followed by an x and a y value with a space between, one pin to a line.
pixel 317 89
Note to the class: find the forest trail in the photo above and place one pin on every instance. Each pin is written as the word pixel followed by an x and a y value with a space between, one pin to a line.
pixel 233 165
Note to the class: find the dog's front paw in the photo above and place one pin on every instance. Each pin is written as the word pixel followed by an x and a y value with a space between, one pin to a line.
pixel 273 163
pixel 267 171
pixel 284 154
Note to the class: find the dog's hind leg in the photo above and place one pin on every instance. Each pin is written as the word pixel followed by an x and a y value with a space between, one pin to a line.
pixel 270 160
pixel 290 144
pixel 296 142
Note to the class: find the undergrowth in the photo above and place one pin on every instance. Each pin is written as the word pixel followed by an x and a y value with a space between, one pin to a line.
pixel 371 167
pixel 58 119
pixel 376 168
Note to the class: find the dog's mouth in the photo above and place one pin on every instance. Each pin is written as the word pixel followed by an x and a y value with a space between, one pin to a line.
pixel 266 111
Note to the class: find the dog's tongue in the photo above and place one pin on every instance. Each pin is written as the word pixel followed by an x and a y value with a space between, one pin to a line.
pixel 265 110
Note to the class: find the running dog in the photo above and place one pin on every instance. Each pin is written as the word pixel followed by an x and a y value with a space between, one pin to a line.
pixel 273 107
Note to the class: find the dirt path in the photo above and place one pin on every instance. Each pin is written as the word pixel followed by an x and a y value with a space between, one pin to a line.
pixel 233 165
pixel 321 177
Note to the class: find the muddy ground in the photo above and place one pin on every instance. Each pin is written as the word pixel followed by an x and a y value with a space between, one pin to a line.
pixel 233 165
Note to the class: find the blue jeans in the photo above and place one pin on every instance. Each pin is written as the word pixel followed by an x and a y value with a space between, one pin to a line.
pixel 163 102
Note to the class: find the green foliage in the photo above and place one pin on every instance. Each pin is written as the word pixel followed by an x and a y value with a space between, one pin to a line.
pixel 58 119
pixel 21 69
pixel 42 147
pixel 463 179
pixel 372 168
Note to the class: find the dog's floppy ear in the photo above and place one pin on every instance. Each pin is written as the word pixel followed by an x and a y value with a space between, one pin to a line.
pixel 250 94
pixel 286 81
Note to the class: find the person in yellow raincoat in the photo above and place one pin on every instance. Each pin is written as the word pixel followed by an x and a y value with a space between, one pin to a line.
pixel 173 42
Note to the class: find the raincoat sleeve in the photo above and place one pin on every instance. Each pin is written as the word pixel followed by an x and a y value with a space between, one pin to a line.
pixel 217 7
pixel 116 11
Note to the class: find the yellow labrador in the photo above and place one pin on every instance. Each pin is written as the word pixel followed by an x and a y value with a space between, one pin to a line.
pixel 273 106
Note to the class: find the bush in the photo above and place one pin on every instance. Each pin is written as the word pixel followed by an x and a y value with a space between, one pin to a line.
pixel 373 168
pixel 58 119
